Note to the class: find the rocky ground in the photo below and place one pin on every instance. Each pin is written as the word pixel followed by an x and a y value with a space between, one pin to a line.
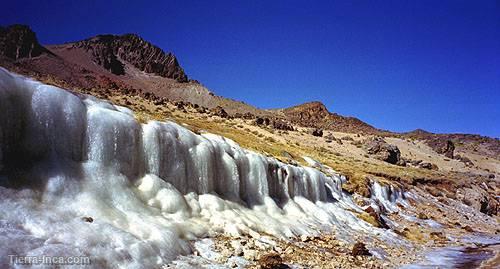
pixel 426 225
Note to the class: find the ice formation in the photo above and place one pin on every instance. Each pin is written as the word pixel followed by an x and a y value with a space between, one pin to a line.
pixel 149 188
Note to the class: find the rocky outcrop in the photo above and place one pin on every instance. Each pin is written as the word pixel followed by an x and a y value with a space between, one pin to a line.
pixel 280 124
pixel 316 115
pixel 19 41
pixel 382 150
pixel 113 51
pixel 275 123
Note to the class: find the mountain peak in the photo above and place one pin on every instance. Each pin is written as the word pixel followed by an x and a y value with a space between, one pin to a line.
pixel 19 41
pixel 113 51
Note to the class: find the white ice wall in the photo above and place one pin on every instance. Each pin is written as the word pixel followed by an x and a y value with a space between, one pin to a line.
pixel 148 187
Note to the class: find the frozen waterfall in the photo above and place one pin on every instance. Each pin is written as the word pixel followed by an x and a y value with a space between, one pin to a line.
pixel 148 187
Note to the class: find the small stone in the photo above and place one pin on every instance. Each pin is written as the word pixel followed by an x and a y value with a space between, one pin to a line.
pixel 304 238
pixel 360 249
pixel 88 219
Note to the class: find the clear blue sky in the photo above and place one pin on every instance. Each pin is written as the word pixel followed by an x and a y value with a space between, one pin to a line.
pixel 398 65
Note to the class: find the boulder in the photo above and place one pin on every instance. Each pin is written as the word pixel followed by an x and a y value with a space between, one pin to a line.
pixel 219 111
pixel 446 148
pixel 382 150
pixel 479 199
pixel 282 125
pixel 317 132
pixel 88 219
pixel 272 261
pixel 429 166
pixel 360 249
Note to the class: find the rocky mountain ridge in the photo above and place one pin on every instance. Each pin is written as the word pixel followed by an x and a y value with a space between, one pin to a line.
pixel 111 51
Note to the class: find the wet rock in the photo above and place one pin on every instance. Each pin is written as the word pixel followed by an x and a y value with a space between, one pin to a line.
pixel 88 219
pixel 360 249
pixel 272 261
pixel 376 216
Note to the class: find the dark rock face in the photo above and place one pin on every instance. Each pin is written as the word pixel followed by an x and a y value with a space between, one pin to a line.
pixel 19 41
pixel 382 150
pixel 111 51
pixel 360 249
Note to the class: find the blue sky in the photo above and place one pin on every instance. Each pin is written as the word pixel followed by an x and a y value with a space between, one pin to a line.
pixel 398 65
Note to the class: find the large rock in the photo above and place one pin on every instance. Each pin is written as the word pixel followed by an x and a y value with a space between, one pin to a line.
pixel 360 249
pixel 219 111
pixel 382 150
pixel 272 261
pixel 280 124
pixel 317 132
pixel 447 148
pixel 478 199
